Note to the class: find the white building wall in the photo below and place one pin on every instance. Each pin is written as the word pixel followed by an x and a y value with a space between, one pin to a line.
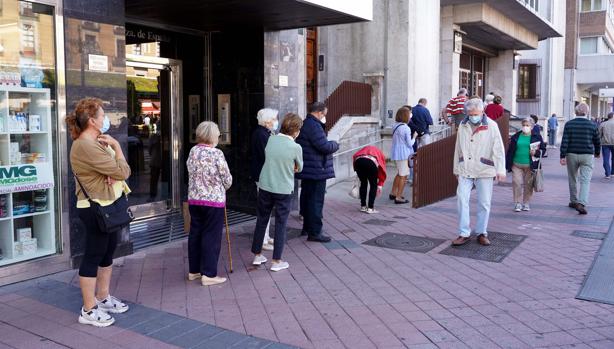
pixel 503 78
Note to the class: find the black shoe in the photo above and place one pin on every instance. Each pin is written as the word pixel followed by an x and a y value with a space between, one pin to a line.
pixel 319 238
pixel 572 205
pixel 391 197
pixel 581 209
pixel 400 202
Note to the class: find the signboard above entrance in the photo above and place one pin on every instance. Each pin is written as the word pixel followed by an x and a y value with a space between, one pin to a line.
pixel 137 34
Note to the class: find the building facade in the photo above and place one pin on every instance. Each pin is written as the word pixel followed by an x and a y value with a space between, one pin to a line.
pixel 432 48
pixel 589 56
pixel 160 68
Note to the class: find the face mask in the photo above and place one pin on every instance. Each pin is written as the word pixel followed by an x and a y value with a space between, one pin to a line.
pixel 106 124
pixel 526 129
pixel 475 119
pixel 323 120
pixel 275 125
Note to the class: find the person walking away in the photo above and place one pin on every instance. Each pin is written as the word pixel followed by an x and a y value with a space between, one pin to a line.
pixel 370 166
pixel 267 125
pixel 522 160
pixel 456 108
pixel 479 156
pixel 606 133
pixel 495 109
pixel 553 127
pixel 317 168
pixel 208 180
pixel 283 158
pixel 100 168
pixel 489 99
pixel 402 149
pixel 421 119
pixel 579 144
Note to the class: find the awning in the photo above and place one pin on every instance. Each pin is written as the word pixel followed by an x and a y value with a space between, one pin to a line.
pixel 209 15
pixel 511 22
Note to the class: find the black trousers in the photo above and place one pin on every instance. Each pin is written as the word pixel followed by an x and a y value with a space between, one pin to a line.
pixel 99 246
pixel 266 202
pixel 312 201
pixel 367 173
pixel 205 239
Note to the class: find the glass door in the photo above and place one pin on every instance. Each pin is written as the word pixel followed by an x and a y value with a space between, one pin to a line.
pixel 154 115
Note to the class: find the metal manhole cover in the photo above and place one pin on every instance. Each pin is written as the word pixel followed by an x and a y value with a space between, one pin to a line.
pixel 405 242
pixel 382 222
pixel 589 234
pixel 502 244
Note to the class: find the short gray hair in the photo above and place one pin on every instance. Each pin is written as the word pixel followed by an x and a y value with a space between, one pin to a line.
pixel 489 98
pixel 207 132
pixel 528 120
pixel 265 115
pixel 474 104
pixel 462 92
pixel 582 109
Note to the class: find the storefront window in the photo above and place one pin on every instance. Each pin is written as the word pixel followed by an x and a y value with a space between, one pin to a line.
pixel 28 132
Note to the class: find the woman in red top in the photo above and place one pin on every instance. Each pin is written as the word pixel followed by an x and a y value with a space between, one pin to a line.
pixel 495 109
pixel 370 166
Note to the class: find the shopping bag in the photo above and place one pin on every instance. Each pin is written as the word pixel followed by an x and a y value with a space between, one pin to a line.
pixel 538 178
pixel 355 191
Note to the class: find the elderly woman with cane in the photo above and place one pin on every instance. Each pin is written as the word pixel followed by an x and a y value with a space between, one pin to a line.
pixel 209 179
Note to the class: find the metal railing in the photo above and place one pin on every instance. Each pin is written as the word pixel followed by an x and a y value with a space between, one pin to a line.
pixel 349 98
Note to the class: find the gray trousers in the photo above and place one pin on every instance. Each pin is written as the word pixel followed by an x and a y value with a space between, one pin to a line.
pixel 579 171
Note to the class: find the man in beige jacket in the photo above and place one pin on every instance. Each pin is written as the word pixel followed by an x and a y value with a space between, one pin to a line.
pixel 606 132
pixel 479 158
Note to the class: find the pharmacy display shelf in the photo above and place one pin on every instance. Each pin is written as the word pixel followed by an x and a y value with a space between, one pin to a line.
pixel 33 101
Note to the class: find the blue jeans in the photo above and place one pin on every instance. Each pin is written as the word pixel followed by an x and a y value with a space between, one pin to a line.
pixel 607 151
pixel 266 202
pixel 312 200
pixel 579 171
pixel 463 194
pixel 552 136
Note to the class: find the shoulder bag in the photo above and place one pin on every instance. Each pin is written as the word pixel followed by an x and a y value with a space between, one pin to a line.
pixel 538 178
pixel 113 217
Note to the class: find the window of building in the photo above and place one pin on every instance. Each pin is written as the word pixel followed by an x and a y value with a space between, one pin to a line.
pixel 588 45
pixel 592 5
pixel 534 4
pixel 527 81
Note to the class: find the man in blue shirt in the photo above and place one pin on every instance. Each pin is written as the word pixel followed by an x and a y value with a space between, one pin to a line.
pixel 421 120
pixel 553 125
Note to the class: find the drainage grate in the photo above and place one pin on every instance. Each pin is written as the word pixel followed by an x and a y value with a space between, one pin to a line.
pixel 169 227
pixel 381 222
pixel 589 234
pixel 502 244
pixel 598 286
pixel 405 242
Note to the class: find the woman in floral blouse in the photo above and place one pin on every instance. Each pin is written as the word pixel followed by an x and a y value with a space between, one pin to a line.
pixel 209 179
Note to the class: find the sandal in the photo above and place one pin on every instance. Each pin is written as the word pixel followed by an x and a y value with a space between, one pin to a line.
pixel 399 202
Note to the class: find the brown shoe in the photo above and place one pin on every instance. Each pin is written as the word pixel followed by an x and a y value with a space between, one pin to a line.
pixel 581 209
pixel 459 241
pixel 483 240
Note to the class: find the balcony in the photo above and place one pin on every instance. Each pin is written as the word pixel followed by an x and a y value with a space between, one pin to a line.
pixel 515 23
pixel 595 70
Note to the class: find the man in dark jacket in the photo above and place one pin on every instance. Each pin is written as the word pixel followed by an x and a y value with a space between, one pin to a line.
pixel 580 144
pixel 421 119
pixel 317 168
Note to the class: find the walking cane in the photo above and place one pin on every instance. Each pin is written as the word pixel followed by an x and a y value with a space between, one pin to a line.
pixel 228 239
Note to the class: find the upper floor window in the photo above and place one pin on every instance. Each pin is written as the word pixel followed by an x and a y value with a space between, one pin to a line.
pixel 593 5
pixel 534 4
pixel 594 45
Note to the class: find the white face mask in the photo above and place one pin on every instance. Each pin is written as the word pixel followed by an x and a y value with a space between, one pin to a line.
pixel 526 129
pixel 323 120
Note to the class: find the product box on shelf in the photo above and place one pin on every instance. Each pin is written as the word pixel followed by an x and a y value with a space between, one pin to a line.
pixel 27 247
pixel 14 154
pixel 34 123
pixel 24 234
pixel 4 206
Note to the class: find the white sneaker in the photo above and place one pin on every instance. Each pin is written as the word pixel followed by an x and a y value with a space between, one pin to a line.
pixel 95 317
pixel 363 209
pixel 517 207
pixel 271 241
pixel 112 305
pixel 526 207
pixel 268 247
pixel 207 281
pixel 259 259
pixel 194 276
pixel 281 265
pixel 371 210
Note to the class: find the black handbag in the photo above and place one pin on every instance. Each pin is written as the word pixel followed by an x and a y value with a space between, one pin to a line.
pixel 113 217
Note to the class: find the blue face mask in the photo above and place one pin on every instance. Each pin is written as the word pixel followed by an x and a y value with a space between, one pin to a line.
pixel 475 119
pixel 106 124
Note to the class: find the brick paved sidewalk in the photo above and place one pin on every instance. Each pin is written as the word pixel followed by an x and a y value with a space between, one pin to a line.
pixel 349 295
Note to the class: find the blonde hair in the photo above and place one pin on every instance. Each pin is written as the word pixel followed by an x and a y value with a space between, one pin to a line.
pixel 207 132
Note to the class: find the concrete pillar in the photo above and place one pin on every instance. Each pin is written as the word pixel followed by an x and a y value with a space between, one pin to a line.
pixel 449 62
pixel 502 78
pixel 376 80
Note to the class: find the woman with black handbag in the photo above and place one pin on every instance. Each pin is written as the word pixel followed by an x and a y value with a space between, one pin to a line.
pixel 100 170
